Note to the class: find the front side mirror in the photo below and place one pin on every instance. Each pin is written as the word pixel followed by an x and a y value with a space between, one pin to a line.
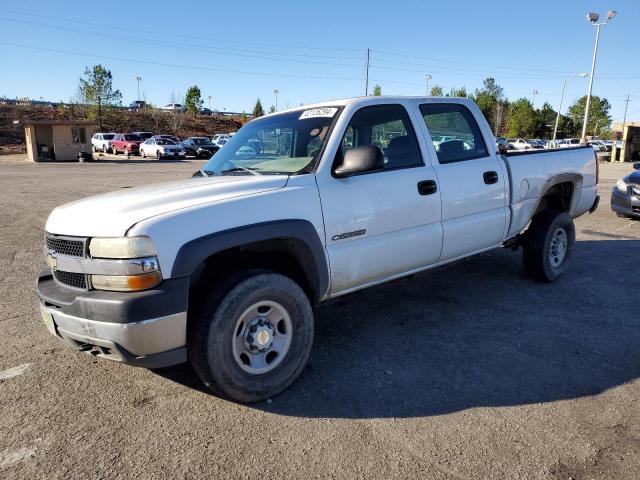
pixel 636 166
pixel 364 158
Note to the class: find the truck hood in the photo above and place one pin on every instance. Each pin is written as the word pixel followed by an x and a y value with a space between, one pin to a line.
pixel 112 214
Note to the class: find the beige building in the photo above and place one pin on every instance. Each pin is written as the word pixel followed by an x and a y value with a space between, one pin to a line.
pixel 630 150
pixel 57 140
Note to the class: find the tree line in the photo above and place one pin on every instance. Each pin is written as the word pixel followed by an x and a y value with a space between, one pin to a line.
pixel 510 118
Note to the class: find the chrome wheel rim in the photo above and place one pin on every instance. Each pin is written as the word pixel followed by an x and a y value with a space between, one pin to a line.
pixel 262 337
pixel 558 249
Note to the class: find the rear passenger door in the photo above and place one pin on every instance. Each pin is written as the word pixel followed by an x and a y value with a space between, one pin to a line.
pixel 472 178
pixel 382 223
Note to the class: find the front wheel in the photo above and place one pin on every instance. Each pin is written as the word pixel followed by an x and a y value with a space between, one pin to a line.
pixel 548 245
pixel 114 150
pixel 104 149
pixel 158 155
pixel 142 154
pixel 252 336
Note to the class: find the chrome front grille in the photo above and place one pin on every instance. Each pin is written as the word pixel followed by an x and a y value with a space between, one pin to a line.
pixel 72 246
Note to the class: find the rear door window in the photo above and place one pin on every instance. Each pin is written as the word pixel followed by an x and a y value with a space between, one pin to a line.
pixel 454 132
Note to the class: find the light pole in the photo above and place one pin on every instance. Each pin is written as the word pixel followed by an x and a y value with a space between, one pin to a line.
pixel 564 85
pixel 593 18
pixel 427 77
pixel 138 79
pixel 275 92
pixel 209 102
pixel 533 101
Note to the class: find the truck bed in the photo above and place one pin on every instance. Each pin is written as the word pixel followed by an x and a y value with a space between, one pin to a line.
pixel 532 173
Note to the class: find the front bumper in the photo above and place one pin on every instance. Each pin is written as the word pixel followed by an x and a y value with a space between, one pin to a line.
pixel 625 204
pixel 146 329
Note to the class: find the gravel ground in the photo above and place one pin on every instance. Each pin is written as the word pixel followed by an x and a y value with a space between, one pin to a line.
pixel 472 371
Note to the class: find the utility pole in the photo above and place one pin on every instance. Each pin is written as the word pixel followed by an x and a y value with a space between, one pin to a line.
pixel 427 77
pixel 624 124
pixel 138 79
pixel 366 78
pixel 275 92
pixel 533 102
pixel 209 102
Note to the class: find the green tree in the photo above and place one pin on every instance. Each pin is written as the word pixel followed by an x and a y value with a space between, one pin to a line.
pixel 257 109
pixel 96 87
pixel 488 98
pixel 599 117
pixel 272 109
pixel 522 119
pixel 545 121
pixel 457 92
pixel 436 91
pixel 243 116
pixel 377 91
pixel 193 99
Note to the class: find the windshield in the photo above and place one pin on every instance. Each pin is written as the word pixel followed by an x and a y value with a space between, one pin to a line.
pixel 278 144
pixel 164 141
pixel 202 141
pixel 132 138
pixel 108 137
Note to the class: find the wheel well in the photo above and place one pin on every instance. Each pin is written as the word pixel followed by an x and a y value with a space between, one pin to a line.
pixel 557 198
pixel 288 256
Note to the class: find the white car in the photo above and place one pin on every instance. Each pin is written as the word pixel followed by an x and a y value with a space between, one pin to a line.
pixel 569 143
pixel 161 148
pixel 173 107
pixel 224 269
pixel 519 144
pixel 101 142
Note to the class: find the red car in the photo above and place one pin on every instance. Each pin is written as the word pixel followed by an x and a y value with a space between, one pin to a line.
pixel 127 143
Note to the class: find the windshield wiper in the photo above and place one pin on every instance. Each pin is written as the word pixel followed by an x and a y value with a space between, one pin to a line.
pixel 252 171
pixel 201 173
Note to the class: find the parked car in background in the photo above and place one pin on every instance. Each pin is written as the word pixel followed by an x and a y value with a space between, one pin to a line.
pixel 102 142
pixel 173 138
pixel 144 135
pixel 173 107
pixel 161 148
pixel 206 111
pixel 200 147
pixel 537 142
pixel 519 144
pixel 137 105
pixel 126 143
pixel 625 197
pixel 599 146
pixel 569 142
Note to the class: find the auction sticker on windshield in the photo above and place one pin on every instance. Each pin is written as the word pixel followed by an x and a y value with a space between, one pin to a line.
pixel 319 112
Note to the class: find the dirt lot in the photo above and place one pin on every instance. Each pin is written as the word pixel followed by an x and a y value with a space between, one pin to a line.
pixel 473 371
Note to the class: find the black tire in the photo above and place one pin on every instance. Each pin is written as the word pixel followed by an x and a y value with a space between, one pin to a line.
pixel 539 262
pixel 114 150
pixel 104 149
pixel 214 331
pixel 142 154
pixel 158 155
pixel 94 149
pixel 126 151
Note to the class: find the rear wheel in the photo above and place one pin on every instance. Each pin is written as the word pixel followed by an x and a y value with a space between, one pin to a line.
pixel 253 336
pixel 158 155
pixel 548 245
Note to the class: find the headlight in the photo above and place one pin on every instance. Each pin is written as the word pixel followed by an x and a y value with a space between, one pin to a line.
pixel 622 186
pixel 122 247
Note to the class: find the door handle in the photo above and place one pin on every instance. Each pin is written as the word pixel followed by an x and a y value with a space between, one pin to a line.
pixel 427 187
pixel 490 177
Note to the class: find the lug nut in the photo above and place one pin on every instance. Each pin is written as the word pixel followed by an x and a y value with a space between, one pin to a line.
pixel 253 328
pixel 250 339
pixel 261 322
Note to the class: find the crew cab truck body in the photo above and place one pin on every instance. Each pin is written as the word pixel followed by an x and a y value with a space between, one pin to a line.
pixel 223 269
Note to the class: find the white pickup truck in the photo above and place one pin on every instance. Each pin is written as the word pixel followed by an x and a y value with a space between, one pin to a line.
pixel 224 269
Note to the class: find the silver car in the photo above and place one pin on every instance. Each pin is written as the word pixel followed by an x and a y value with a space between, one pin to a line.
pixel 161 148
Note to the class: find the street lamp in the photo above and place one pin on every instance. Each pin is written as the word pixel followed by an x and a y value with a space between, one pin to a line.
pixel 427 77
pixel 593 18
pixel 275 92
pixel 533 101
pixel 138 79
pixel 564 85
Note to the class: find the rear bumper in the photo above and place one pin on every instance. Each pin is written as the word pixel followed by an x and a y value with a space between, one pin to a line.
pixel 146 329
pixel 624 203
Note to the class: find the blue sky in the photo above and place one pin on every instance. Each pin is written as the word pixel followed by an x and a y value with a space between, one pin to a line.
pixel 311 51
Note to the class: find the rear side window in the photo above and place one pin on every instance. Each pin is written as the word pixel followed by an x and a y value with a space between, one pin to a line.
pixel 454 132
pixel 389 128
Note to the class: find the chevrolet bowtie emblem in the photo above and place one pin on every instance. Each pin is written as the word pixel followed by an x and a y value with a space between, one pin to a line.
pixel 51 261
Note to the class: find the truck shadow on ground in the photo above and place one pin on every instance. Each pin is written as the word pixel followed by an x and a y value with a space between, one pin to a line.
pixel 476 334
